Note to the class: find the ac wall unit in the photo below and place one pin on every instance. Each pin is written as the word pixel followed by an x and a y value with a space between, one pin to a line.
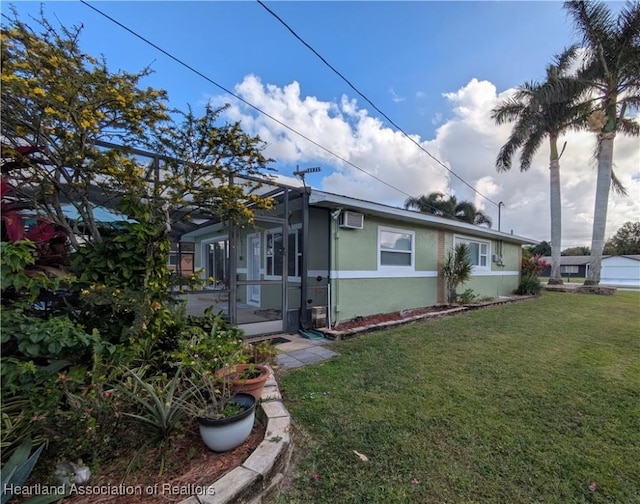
pixel 351 220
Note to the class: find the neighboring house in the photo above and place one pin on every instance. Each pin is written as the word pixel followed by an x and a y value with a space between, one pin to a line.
pixel 617 271
pixel 570 266
pixel 620 271
pixel 320 253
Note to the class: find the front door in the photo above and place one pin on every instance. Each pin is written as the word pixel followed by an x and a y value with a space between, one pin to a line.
pixel 253 294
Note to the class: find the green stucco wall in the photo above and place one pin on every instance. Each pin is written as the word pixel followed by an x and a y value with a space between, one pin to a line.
pixel 357 289
pixel 382 295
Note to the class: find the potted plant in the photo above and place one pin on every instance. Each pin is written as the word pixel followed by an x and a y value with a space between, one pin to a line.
pixel 262 352
pixel 245 378
pixel 225 418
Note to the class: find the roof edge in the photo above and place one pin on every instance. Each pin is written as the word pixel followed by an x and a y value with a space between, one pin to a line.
pixel 321 198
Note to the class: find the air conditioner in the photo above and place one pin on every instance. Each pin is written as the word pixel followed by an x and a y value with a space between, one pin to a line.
pixel 351 220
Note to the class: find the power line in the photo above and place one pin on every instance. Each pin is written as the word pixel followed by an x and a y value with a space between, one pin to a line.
pixel 208 79
pixel 372 104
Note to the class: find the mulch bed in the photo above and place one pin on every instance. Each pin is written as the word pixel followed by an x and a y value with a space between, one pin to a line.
pixel 388 317
pixel 190 468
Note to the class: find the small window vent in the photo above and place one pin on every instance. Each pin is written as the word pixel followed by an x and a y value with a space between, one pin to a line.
pixel 352 220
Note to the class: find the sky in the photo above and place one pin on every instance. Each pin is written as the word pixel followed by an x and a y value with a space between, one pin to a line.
pixel 436 69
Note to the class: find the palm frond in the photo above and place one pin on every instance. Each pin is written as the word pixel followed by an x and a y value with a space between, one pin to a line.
pixel 617 185
pixel 530 148
pixel 593 20
pixel 507 111
pixel 628 126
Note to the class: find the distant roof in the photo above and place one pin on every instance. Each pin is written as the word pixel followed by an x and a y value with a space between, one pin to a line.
pixel 580 260
pixel 635 257
pixel 570 260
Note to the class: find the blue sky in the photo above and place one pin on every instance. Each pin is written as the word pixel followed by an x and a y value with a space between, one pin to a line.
pixel 435 68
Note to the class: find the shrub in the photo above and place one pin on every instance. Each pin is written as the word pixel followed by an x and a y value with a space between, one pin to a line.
pixel 530 271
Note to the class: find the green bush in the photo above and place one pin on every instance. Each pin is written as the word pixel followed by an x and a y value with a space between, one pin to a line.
pixel 529 285
pixel 211 340
pixel 530 275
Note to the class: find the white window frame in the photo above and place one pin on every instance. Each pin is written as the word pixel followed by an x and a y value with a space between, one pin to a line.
pixel 458 239
pixel 401 270
pixel 298 252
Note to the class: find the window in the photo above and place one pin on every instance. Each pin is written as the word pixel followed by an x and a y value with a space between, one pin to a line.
pixel 478 251
pixel 395 247
pixel 569 269
pixel 275 253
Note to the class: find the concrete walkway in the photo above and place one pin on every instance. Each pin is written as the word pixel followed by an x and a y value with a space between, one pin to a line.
pixel 300 351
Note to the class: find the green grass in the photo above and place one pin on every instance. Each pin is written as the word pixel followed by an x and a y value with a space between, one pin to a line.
pixel 529 402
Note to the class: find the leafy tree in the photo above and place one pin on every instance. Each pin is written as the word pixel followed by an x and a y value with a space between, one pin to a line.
pixel 436 203
pixel 73 131
pixel 60 101
pixel 611 72
pixel 536 119
pixel 576 251
pixel 69 108
pixel 626 241
pixel 542 249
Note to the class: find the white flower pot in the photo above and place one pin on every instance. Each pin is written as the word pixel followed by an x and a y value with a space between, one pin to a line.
pixel 228 433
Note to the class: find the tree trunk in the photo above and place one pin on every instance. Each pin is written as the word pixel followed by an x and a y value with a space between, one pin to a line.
pixel 556 213
pixel 603 183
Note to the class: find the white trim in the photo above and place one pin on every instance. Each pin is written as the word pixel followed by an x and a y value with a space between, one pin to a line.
pixel 404 273
pixel 494 273
pixel 387 272
pixel 412 253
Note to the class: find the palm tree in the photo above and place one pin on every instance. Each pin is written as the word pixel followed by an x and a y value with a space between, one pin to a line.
pixel 436 203
pixel 611 70
pixel 456 270
pixel 537 117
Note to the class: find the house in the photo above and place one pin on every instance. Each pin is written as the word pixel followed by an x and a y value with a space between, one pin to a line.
pixel 620 271
pixel 570 266
pixel 617 271
pixel 320 258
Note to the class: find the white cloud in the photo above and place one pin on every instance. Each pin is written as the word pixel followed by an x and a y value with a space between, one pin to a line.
pixel 467 143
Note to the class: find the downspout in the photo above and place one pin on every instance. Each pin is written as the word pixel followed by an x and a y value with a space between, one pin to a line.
pixel 335 215
pixel 329 249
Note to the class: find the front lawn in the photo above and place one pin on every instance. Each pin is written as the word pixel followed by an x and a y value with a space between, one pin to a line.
pixel 537 401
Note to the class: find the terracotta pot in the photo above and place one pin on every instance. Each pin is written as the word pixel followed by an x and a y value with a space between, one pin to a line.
pixel 253 386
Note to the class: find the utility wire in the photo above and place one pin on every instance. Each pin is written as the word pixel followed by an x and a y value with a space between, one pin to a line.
pixel 208 79
pixel 372 104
